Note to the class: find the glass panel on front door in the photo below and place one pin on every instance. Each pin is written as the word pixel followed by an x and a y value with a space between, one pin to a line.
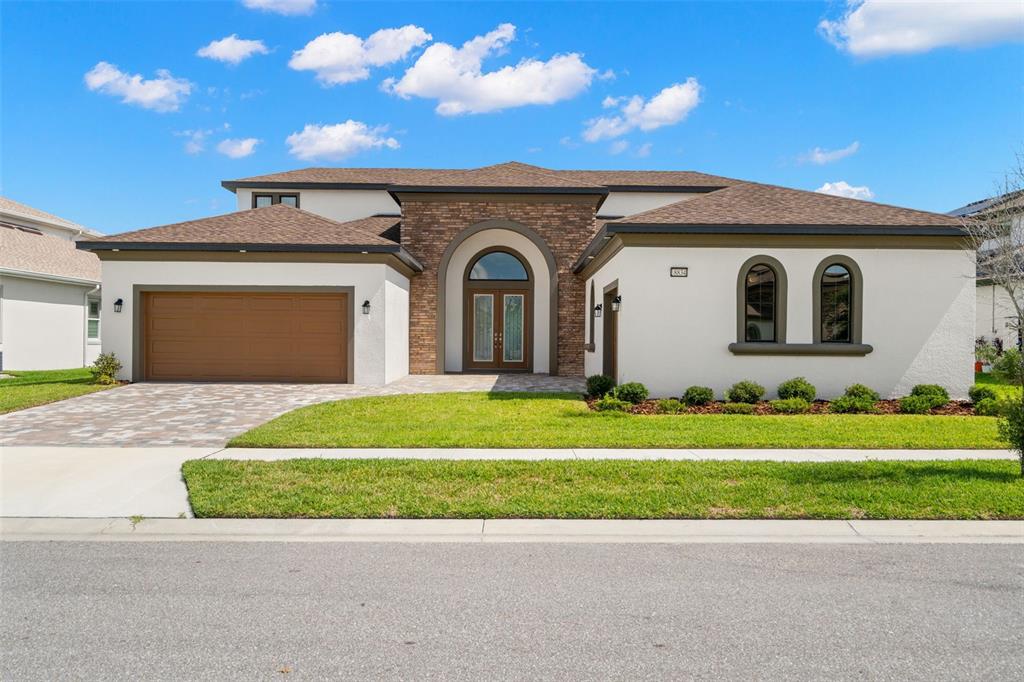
pixel 512 323
pixel 483 327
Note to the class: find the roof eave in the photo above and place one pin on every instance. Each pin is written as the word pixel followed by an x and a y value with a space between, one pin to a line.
pixel 234 185
pixel 50 277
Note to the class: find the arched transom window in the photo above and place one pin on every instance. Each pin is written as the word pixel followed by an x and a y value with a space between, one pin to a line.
pixel 498 265
pixel 760 303
pixel 836 304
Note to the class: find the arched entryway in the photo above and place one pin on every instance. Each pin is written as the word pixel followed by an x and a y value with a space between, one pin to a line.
pixel 498 311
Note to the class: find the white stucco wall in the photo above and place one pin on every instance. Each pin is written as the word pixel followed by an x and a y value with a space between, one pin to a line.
pixel 628 203
pixel 336 204
pixel 43 324
pixel 996 315
pixel 918 313
pixel 454 301
pixel 376 345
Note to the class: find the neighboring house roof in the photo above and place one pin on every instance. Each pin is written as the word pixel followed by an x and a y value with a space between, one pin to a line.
pixel 272 228
pixel 17 209
pixel 502 176
pixel 1011 201
pixel 41 254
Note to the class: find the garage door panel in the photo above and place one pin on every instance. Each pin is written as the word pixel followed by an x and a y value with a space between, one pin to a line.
pixel 245 336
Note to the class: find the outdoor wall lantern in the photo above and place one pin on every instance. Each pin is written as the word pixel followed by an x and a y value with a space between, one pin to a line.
pixel 597 310
pixel 616 304
pixel 366 307
pixel 118 304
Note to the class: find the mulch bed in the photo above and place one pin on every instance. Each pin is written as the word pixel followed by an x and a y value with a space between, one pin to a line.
pixel 952 408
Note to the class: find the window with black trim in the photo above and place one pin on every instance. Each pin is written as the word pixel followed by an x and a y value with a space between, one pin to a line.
pixel 836 300
pixel 265 199
pixel 760 304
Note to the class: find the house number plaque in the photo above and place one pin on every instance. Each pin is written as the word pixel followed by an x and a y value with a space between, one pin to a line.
pixel 678 272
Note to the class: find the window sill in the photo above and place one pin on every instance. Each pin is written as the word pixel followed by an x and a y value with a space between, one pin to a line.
pixel 800 348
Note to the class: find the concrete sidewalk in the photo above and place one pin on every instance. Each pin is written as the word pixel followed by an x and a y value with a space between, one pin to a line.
pixel 121 482
pixel 511 530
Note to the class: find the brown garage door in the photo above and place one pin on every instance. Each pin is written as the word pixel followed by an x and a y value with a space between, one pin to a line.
pixel 245 336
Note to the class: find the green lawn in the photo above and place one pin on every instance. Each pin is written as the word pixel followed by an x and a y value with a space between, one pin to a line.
pixel 605 489
pixel 521 420
pixel 28 389
pixel 1004 389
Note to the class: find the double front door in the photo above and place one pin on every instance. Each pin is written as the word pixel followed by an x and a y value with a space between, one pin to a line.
pixel 497 329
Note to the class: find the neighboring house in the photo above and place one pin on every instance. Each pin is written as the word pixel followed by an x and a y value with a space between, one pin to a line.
pixel 996 316
pixel 49 291
pixel 671 278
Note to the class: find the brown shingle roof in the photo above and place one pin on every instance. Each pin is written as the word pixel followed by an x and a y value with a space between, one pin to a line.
pixel 46 255
pixel 748 203
pixel 18 209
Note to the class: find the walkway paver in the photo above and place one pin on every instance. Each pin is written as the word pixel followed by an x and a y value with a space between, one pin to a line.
pixel 209 415
pixel 511 530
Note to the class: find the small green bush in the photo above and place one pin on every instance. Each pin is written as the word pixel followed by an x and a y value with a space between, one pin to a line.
pixel 979 392
pixel 633 392
pixel 917 404
pixel 609 403
pixel 850 404
pixel 599 384
pixel 933 392
pixel 698 395
pixel 1007 366
pixel 738 408
pixel 105 368
pixel 791 406
pixel 797 388
pixel 990 407
pixel 1011 428
pixel 670 406
pixel 745 392
pixel 861 391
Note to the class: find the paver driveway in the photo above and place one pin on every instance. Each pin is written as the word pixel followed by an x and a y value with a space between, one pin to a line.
pixel 208 415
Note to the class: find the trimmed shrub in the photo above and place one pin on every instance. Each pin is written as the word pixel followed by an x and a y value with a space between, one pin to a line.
pixel 633 392
pixel 105 368
pixel 797 388
pixel 1011 428
pixel 698 395
pixel 609 403
pixel 1007 366
pixel 990 407
pixel 861 391
pixel 599 384
pixel 738 408
pixel 851 404
pixel 981 392
pixel 670 406
pixel 937 394
pixel 791 406
pixel 917 404
pixel 745 392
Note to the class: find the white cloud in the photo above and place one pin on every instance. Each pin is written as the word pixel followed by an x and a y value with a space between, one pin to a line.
pixel 643 151
pixel 338 141
pixel 820 157
pixel 568 142
pixel 195 142
pixel 618 147
pixel 163 93
pixel 609 102
pixel 286 7
pixel 343 58
pixel 876 28
pixel 455 77
pixel 844 189
pixel 238 148
pixel 233 50
pixel 668 107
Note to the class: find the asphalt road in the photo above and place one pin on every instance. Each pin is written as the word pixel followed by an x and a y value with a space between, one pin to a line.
pixel 220 611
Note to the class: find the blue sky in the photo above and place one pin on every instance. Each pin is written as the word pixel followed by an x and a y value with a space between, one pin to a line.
pixel 746 90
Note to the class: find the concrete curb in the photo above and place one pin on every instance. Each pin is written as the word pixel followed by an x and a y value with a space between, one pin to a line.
pixel 509 530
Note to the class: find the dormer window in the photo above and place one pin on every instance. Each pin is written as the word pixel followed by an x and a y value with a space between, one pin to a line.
pixel 268 199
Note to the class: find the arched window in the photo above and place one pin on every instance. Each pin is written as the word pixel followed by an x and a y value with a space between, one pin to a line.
pixel 760 303
pixel 500 266
pixel 836 304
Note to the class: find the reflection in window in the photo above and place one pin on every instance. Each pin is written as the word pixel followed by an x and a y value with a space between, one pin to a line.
pixel 835 305
pixel 760 303
pixel 498 265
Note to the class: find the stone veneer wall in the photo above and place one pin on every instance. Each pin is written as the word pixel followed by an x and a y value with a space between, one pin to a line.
pixel 431 222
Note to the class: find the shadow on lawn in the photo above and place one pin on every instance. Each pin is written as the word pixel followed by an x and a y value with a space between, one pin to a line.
pixel 21 380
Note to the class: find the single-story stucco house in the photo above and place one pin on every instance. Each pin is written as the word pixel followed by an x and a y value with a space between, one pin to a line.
pixel 670 278
pixel 49 291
